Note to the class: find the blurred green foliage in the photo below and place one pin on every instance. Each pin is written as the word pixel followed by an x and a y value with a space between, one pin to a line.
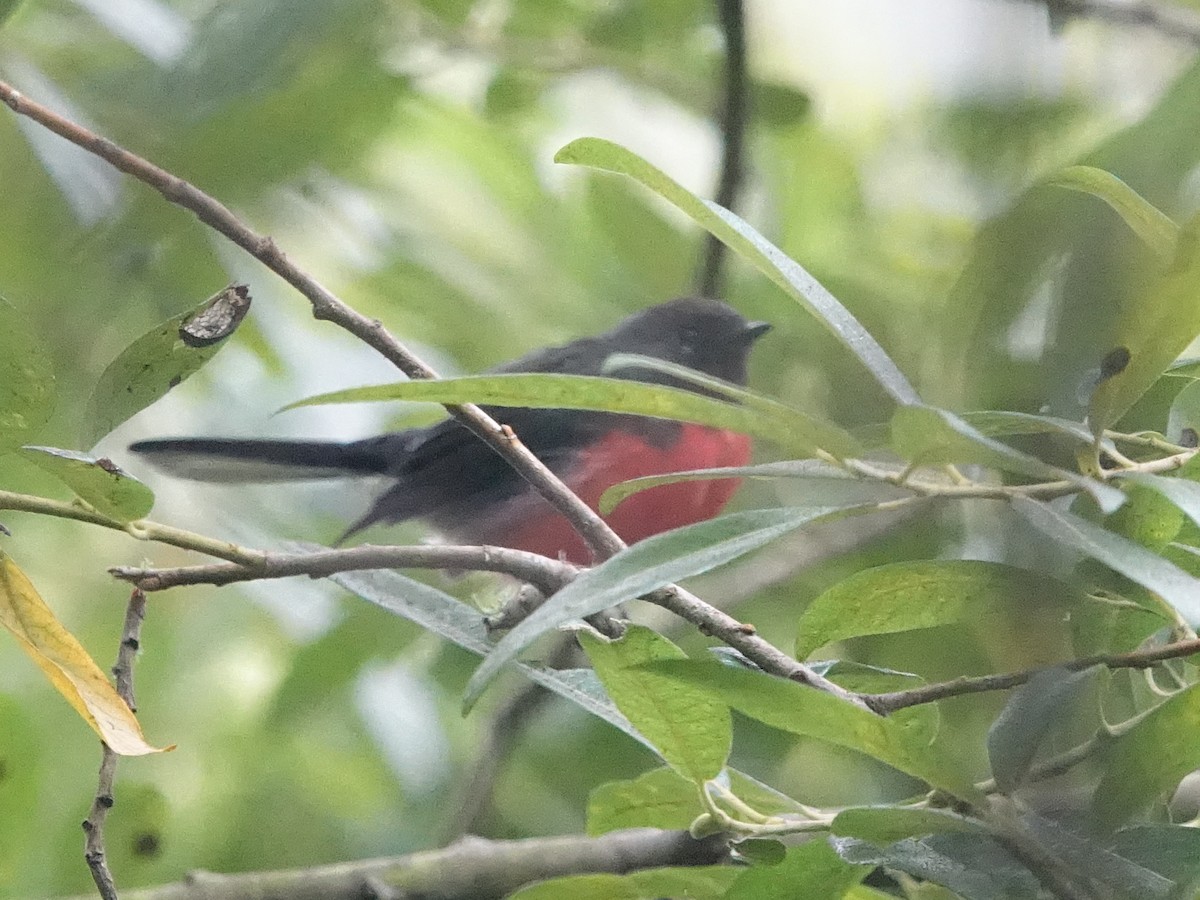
pixel 401 151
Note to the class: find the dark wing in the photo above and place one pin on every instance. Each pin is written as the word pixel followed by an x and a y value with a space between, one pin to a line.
pixel 450 477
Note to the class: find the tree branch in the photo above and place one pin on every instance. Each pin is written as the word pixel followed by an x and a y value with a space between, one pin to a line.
pixel 1137 659
pixel 547 574
pixel 734 117
pixel 472 869
pixel 93 826
pixel 601 539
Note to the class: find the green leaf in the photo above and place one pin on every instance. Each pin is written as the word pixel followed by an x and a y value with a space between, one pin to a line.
pixel 926 435
pixel 996 423
pixel 1183 492
pixel 1150 516
pixel 661 798
pixel 161 359
pixel 1150 759
pixel 1093 863
pixel 819 432
pixel 1184 412
pixel 973 866
pixel 99 483
pixel 1155 229
pixel 642 568
pixel 824 484
pixel 1135 562
pixel 460 624
pixel 887 824
pixel 919 594
pixel 812 870
pixel 748 243
pixel 1170 850
pixel 795 431
pixel 1031 713
pixel 797 709
pixel 692 732
pixel 695 883
pixel 26 379
pixel 1153 330
pixel 922 720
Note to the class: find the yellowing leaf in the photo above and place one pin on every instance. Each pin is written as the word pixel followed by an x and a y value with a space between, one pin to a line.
pixel 67 665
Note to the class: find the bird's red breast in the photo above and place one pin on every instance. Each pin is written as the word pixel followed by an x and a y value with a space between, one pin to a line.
pixel 620 456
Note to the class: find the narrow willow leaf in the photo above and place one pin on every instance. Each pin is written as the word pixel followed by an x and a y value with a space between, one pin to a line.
pixel 67 664
pixel 1154 228
pixel 824 485
pixel 926 436
pixel 1170 737
pixel 798 433
pixel 691 730
pixel 662 798
pixel 1155 327
pixel 1031 713
pixel 462 625
pixel 752 246
pixel 998 423
pixel 1083 854
pixel 694 883
pixel 26 379
pixel 744 396
pixel 974 866
pixel 887 824
pixel 918 594
pixel 99 483
pixel 797 709
pixel 644 567
pixel 1170 850
pixel 1184 412
pixel 1135 562
pixel 161 359
pixel 811 870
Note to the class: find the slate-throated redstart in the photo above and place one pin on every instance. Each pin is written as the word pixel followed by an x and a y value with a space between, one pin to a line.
pixel 450 478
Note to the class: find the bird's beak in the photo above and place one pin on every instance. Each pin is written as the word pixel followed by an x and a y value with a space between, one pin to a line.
pixel 755 330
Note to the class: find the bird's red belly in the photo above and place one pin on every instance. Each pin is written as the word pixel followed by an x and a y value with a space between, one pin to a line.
pixel 621 456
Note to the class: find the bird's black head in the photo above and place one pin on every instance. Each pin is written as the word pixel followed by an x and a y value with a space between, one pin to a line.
pixel 702 334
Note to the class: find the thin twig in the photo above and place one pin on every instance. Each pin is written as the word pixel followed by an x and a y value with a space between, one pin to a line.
pixel 142 529
pixel 547 574
pixel 743 638
pixel 601 539
pixel 93 825
pixel 1137 659
pixel 735 114
pixel 472 869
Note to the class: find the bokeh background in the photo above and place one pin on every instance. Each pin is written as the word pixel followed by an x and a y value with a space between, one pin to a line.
pixel 402 152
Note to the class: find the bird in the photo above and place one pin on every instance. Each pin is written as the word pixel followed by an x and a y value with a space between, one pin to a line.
pixel 446 476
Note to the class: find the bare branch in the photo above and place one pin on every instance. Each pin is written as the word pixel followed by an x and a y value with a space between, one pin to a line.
pixel 93 826
pixel 548 574
pixel 1137 659
pixel 472 869
pixel 743 638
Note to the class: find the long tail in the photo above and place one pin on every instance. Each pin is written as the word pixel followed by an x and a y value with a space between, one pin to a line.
pixel 237 460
